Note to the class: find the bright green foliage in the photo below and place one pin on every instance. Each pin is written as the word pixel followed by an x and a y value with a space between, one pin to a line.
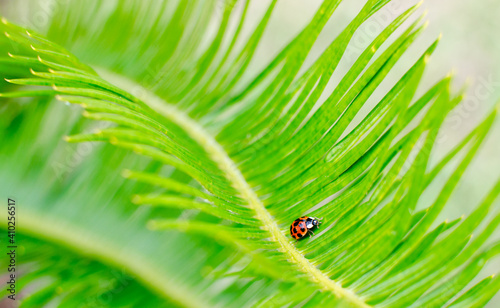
pixel 226 162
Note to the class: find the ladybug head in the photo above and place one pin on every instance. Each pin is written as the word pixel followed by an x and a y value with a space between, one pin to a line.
pixel 312 222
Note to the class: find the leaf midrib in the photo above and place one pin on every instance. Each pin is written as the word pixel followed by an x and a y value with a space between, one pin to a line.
pixel 234 175
pixel 44 227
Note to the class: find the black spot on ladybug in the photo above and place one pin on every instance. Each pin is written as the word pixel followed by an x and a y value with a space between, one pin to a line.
pixel 303 229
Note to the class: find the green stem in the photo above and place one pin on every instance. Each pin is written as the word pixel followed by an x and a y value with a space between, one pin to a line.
pixel 93 246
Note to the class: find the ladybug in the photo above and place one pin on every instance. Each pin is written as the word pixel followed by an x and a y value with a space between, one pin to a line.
pixel 302 226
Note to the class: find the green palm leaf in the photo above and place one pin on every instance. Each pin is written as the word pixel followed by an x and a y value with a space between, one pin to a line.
pixel 227 162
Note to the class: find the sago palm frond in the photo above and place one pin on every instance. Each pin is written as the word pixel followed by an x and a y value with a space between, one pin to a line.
pixel 227 161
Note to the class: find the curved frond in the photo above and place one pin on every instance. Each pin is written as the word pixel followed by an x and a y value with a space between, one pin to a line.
pixel 230 161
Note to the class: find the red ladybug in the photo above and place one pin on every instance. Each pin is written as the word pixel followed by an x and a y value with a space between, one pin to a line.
pixel 302 226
